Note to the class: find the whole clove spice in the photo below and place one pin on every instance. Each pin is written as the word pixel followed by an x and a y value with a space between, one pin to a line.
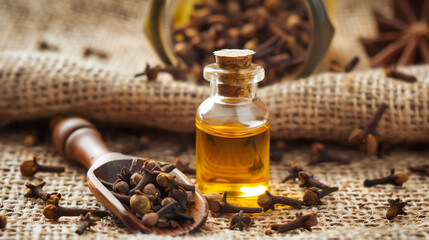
pixel 293 172
pixel 396 178
pixel 302 221
pixel 267 201
pixel 396 74
pixel 320 154
pixel 367 133
pixel 420 169
pixel 29 167
pixel 229 208
pixel 121 187
pixel 139 203
pixel 86 222
pixel 55 211
pixel 395 208
pixel 337 67
pixel 35 191
pixel 169 182
pixel 240 221
pixel 313 195
pixel 307 180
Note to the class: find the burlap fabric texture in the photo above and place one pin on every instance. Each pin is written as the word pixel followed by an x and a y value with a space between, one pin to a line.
pixel 324 106
pixel 354 212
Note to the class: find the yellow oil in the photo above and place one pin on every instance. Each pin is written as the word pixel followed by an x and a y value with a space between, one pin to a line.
pixel 233 159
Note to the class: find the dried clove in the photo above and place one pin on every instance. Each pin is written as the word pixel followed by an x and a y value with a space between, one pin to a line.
pixel 320 154
pixel 395 208
pixel 337 67
pixel 29 167
pixel 240 221
pixel 169 182
pixel 150 219
pixel 125 175
pixel 86 222
pixel 368 133
pixel 121 187
pixel 35 191
pixel 225 207
pixel 150 72
pixel 307 180
pixel 421 169
pixel 396 178
pixel 43 45
pixel 106 183
pixel 313 195
pixel 213 200
pixel 267 201
pixel 396 74
pixel 139 203
pixel 148 177
pixel 55 211
pixel 302 221
pixel 293 172
pixel 151 189
pixel 135 179
pixel 95 52
pixel 3 221
pixel 184 167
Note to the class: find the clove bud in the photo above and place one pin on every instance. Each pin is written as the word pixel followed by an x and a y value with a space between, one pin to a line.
pixel 29 167
pixel 396 178
pixel 267 201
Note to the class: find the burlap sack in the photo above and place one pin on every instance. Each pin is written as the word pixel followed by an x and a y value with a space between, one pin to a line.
pixel 324 106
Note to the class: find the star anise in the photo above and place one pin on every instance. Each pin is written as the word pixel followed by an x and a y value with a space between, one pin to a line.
pixel 240 221
pixel 402 40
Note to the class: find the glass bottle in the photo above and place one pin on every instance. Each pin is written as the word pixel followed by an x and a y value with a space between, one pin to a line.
pixel 233 128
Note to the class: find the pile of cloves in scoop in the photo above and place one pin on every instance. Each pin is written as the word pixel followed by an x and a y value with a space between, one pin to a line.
pixel 153 194
pixel 279 32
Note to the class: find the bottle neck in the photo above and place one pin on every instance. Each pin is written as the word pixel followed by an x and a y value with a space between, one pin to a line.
pixel 233 92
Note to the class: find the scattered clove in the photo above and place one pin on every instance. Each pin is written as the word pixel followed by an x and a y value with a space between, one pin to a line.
pixel 395 208
pixel 213 200
pixel 35 191
pixel 320 154
pixel 29 167
pixel 396 178
pixel 267 201
pixel 293 172
pixel 368 134
pixel 3 221
pixel 150 72
pixel 307 180
pixel 420 169
pixel 184 167
pixel 55 211
pixel 240 221
pixel 45 46
pixel 337 67
pixel 95 52
pixel 313 195
pixel 396 74
pixel 302 221
pixel 228 208
pixel 86 222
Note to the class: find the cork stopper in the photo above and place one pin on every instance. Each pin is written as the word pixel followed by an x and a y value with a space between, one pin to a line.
pixel 234 58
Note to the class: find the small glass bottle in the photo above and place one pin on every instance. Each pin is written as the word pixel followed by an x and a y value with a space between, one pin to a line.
pixel 233 128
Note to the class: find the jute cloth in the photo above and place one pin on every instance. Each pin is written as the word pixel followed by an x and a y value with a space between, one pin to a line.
pixel 354 212
pixel 324 106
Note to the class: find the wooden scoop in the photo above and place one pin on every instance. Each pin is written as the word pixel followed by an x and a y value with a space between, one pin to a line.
pixel 78 140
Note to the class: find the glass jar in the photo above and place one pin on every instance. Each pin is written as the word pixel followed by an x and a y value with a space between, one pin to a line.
pixel 233 130
pixel 163 15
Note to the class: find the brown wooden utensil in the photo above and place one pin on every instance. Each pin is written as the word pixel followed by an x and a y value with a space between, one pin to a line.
pixel 78 140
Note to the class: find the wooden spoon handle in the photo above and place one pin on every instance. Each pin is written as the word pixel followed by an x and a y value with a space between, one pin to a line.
pixel 77 140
